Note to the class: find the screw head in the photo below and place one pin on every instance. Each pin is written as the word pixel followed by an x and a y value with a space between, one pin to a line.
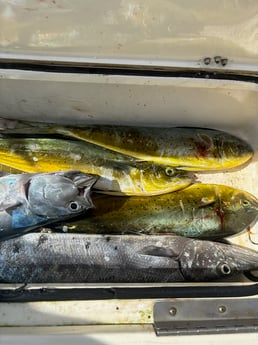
pixel 224 62
pixel 217 59
pixel 172 311
pixel 222 309
pixel 207 60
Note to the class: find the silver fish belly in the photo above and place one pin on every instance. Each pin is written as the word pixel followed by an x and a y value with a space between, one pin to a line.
pixel 78 258
pixel 28 201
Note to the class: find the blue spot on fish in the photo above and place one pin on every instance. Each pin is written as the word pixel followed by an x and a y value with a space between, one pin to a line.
pixel 21 219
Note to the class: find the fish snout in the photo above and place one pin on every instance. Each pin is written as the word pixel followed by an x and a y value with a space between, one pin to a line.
pixel 242 259
pixel 255 204
pixel 85 180
pixel 79 178
pixel 83 183
pixel 234 148
pixel 235 260
pixel 205 260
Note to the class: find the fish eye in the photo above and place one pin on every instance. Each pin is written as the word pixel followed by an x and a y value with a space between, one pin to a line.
pixel 169 171
pixel 74 206
pixel 225 269
pixel 246 203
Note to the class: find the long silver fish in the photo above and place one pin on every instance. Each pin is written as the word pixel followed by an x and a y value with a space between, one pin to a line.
pixel 66 258
pixel 28 201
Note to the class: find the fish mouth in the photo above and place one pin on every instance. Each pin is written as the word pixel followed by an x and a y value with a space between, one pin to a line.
pixel 84 185
pixel 192 176
pixel 79 178
pixel 85 181
pixel 180 173
pixel 255 205
pixel 187 178
pixel 247 259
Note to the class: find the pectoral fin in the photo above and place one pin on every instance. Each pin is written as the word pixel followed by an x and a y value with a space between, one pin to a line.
pixel 158 251
pixel 206 201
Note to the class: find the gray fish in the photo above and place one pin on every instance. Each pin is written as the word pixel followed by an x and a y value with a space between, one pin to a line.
pixel 28 201
pixel 79 258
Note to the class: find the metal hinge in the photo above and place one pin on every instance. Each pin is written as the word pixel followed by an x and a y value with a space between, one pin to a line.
pixel 205 316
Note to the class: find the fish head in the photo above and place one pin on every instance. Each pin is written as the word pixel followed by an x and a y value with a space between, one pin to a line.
pixel 231 151
pixel 206 260
pixel 65 193
pixel 238 209
pixel 160 179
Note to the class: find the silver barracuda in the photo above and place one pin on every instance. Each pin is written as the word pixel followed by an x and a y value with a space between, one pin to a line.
pixel 79 258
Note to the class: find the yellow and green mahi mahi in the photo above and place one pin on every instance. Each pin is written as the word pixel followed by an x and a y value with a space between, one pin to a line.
pixel 196 149
pixel 119 174
pixel 206 211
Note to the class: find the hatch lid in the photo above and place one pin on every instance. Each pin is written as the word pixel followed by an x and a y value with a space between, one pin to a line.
pixel 216 34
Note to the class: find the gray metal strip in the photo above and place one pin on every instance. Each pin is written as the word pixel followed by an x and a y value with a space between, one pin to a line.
pixel 205 316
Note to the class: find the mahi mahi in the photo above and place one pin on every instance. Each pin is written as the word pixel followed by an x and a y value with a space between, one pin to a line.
pixel 194 149
pixel 201 210
pixel 118 174
pixel 197 149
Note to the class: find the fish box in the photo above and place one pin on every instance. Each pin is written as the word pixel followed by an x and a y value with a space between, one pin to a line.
pixel 139 63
